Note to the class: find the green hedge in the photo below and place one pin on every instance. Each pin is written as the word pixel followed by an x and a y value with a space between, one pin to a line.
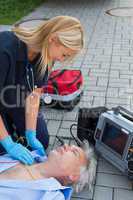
pixel 13 10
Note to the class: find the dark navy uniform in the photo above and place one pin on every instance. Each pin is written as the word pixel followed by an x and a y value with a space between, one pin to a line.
pixel 14 87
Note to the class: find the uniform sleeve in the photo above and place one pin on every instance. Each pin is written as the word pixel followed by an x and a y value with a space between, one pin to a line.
pixel 53 195
pixel 6 79
pixel 4 69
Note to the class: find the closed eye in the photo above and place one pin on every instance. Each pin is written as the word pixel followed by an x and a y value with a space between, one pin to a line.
pixel 76 153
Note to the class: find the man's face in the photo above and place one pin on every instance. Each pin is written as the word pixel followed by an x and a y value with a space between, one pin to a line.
pixel 58 52
pixel 67 160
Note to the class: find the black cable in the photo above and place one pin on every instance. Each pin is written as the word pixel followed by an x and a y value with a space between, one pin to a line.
pixel 79 143
pixel 60 140
pixel 76 139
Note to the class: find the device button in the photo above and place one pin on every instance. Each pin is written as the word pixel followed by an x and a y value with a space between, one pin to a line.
pixel 98 133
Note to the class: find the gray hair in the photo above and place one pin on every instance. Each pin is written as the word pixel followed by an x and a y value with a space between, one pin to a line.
pixel 88 172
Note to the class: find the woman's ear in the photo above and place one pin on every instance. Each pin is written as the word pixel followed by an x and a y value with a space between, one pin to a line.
pixel 53 38
pixel 74 178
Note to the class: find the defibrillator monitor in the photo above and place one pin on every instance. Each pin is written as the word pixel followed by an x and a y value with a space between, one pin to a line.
pixel 114 138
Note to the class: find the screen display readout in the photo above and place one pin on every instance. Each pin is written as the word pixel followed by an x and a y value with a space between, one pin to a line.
pixel 115 138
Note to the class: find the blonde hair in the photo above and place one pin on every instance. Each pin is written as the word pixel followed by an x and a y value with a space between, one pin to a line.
pixel 88 172
pixel 68 30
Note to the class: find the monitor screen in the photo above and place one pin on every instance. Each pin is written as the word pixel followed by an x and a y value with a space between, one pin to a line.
pixel 115 138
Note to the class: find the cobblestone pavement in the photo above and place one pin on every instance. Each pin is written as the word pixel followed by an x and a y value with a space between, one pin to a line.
pixel 107 66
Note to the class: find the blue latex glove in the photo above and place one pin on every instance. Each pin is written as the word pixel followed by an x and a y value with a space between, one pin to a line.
pixel 17 151
pixel 33 142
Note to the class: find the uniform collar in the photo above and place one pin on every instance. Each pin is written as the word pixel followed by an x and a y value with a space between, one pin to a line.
pixel 22 51
pixel 49 184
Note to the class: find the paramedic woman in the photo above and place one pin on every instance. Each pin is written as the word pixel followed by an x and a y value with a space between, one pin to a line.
pixel 25 58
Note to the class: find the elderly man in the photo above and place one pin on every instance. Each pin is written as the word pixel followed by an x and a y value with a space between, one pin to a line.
pixel 64 165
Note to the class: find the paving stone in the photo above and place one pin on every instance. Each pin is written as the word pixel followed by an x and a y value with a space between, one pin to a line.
pixel 112 92
pixel 106 167
pixel 120 66
pixel 125 91
pixel 119 100
pixel 131 82
pixel 120 194
pixel 70 115
pixel 85 104
pixel 121 53
pixel 131 67
pixel 114 181
pixel 89 66
pixel 66 124
pixel 116 59
pixel 88 59
pixel 89 83
pixel 105 65
pixel 102 81
pixel 124 76
pixel 103 193
pixel 53 114
pixel 64 132
pixel 95 94
pixel 105 71
pixel 111 105
pixel 127 59
pixel 126 72
pixel 107 52
pixel 99 101
pixel 53 127
pixel 114 74
pixel 97 88
pixel 100 58
pixel 98 74
pixel 84 194
pixel 116 80
pixel 96 51
pixel 113 82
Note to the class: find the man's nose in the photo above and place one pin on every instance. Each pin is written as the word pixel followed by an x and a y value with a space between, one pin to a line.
pixel 66 147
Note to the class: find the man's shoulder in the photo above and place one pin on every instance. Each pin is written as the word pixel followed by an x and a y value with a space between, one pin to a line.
pixel 54 188
pixel 7 35
pixel 8 40
pixel 49 188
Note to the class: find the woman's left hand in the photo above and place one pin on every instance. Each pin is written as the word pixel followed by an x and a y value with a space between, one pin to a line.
pixel 33 142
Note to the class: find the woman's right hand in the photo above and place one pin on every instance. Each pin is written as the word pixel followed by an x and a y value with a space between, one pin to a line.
pixel 17 151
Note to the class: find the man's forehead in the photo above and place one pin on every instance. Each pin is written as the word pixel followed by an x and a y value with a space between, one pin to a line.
pixel 82 154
